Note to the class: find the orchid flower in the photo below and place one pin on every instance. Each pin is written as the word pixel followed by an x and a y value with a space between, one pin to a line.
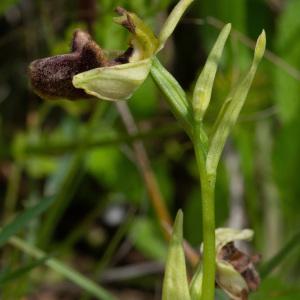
pixel 235 271
pixel 90 71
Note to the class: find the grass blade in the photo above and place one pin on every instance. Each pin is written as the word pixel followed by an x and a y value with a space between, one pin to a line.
pixel 10 276
pixel 23 218
pixel 270 265
pixel 71 274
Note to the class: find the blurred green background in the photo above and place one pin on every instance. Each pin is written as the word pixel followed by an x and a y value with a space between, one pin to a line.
pixel 101 222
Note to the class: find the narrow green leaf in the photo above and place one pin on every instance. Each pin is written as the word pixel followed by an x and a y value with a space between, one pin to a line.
pixel 22 219
pixel 196 283
pixel 10 276
pixel 231 109
pixel 172 20
pixel 176 99
pixel 175 95
pixel 204 84
pixel 175 285
pixel 283 253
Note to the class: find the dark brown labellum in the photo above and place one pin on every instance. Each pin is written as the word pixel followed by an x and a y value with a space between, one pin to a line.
pixel 243 263
pixel 51 77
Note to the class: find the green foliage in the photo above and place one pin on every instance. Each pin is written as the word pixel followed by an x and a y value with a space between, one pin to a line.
pixel 21 220
pixel 8 276
pixel 286 88
pixel 274 288
pixel 232 108
pixel 6 4
pixel 277 259
pixel 196 283
pixel 174 93
pixel 43 141
pixel 104 164
pixel 204 84
pixel 193 209
pixel 175 284
pixel 145 236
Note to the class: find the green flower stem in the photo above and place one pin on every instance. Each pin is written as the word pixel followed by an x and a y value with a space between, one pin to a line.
pixel 207 182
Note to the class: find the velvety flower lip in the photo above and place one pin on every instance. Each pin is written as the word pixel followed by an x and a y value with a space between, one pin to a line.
pixel 51 77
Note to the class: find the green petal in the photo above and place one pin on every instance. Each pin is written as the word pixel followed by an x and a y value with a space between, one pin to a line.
pixel 143 40
pixel 227 235
pixel 175 285
pixel 231 281
pixel 113 83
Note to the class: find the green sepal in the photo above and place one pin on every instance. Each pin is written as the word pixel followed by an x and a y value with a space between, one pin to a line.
pixel 143 40
pixel 225 236
pixel 174 93
pixel 231 281
pixel 113 83
pixel 196 283
pixel 175 285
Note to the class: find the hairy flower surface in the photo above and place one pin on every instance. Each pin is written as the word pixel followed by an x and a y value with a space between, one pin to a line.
pixel 51 77
pixel 90 71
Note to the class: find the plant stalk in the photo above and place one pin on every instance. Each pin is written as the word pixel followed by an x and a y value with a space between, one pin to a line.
pixel 207 182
